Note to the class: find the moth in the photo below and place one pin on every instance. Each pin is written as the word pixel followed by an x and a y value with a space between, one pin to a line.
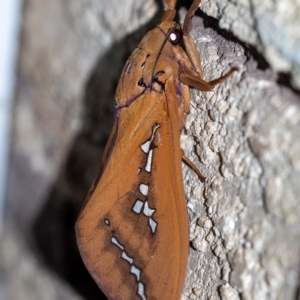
pixel 132 232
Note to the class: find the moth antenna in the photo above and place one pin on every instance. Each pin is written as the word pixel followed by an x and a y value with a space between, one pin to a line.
pixel 159 52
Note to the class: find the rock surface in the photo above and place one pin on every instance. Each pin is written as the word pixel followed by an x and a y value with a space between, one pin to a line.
pixel 271 26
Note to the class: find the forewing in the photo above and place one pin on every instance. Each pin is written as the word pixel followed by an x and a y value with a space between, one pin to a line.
pixel 133 232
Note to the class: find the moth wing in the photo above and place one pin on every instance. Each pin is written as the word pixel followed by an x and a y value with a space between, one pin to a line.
pixel 133 231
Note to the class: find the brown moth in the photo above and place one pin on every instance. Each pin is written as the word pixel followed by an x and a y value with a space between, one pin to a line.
pixel 133 231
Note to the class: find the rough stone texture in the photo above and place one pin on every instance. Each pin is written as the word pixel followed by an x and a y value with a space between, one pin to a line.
pixel 243 136
pixel 245 221
pixel 271 26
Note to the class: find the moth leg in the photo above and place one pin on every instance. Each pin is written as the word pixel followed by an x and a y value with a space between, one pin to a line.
pixel 199 83
pixel 188 162
pixel 190 78
pixel 171 4
pixel 169 14
pixel 190 46
pixel 186 96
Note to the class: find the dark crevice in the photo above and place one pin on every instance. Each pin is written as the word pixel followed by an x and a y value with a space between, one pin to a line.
pixel 255 25
pixel 297 290
pixel 285 79
pixel 250 50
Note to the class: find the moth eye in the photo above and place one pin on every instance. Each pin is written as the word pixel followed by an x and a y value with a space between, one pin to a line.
pixel 175 36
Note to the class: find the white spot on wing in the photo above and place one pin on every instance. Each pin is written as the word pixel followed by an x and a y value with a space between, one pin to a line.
pixel 153 225
pixel 133 270
pixel 116 242
pixel 136 271
pixel 147 210
pixel 149 161
pixel 146 146
pixel 144 189
pixel 126 257
pixel 155 128
pixel 137 206
pixel 141 291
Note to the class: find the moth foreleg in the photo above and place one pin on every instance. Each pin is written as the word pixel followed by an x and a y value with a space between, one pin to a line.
pixel 190 78
pixel 171 4
pixel 187 161
pixel 199 83
pixel 169 14
pixel 190 46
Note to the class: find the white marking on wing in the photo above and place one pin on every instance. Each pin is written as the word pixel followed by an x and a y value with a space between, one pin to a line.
pixel 149 161
pixel 116 242
pixel 155 128
pixel 144 189
pixel 146 146
pixel 133 270
pixel 136 271
pixel 138 206
pixel 141 291
pixel 126 257
pixel 147 210
pixel 153 225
